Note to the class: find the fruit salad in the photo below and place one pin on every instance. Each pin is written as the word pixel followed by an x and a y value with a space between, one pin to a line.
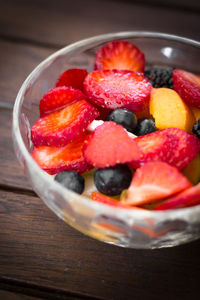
pixel 124 134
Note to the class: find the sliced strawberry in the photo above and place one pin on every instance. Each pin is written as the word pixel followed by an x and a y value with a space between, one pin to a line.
pixel 98 197
pixel 60 127
pixel 110 224
pixel 103 112
pixel 118 88
pixel 155 146
pixel 187 198
pixel 154 181
pixel 121 55
pixel 185 149
pixel 72 78
pixel 171 145
pixel 57 159
pixel 58 98
pixel 110 145
pixel 187 85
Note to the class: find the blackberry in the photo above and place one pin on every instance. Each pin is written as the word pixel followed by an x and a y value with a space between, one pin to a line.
pixel 160 77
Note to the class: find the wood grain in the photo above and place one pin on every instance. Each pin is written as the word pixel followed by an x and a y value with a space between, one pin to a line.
pixel 41 257
pixel 192 5
pixel 61 22
pixel 6 295
pixel 38 248
pixel 16 62
pixel 16 289
pixel 11 173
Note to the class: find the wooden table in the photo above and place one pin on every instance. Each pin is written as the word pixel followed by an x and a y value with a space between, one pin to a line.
pixel 41 257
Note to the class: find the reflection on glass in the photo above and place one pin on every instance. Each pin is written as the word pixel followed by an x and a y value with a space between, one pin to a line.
pixel 167 51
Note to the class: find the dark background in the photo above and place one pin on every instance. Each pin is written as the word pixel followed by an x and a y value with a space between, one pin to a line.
pixel 41 257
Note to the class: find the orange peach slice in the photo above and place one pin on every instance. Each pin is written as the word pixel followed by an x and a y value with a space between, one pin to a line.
pixel 143 114
pixel 196 112
pixel 169 110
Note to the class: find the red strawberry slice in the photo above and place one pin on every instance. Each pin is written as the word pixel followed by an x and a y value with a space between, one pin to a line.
pixel 61 127
pixel 95 196
pixel 72 78
pixel 155 146
pixel 103 112
pixel 187 198
pixel 57 159
pixel 121 55
pixel 58 98
pixel 118 89
pixel 187 85
pixel 98 197
pixel 110 145
pixel 154 181
pixel 171 145
pixel 110 224
pixel 186 148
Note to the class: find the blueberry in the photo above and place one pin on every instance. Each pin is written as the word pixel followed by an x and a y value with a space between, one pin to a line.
pixel 123 117
pixel 145 126
pixel 196 128
pixel 71 180
pixel 113 180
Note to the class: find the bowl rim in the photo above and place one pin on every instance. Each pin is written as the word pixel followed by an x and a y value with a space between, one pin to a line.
pixel 70 195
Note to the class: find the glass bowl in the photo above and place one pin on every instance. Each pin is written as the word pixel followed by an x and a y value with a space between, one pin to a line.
pixel 130 228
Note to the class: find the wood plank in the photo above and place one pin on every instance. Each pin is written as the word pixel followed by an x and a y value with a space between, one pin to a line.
pixel 16 289
pixel 62 22
pixel 6 295
pixel 174 4
pixel 38 248
pixel 11 173
pixel 16 62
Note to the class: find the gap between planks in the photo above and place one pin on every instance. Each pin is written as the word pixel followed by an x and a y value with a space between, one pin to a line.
pixel 166 5
pixel 17 190
pixel 34 290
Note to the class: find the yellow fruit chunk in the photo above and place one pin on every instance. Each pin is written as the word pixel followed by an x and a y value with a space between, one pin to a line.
pixel 169 110
pixel 192 171
pixel 143 114
pixel 196 112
